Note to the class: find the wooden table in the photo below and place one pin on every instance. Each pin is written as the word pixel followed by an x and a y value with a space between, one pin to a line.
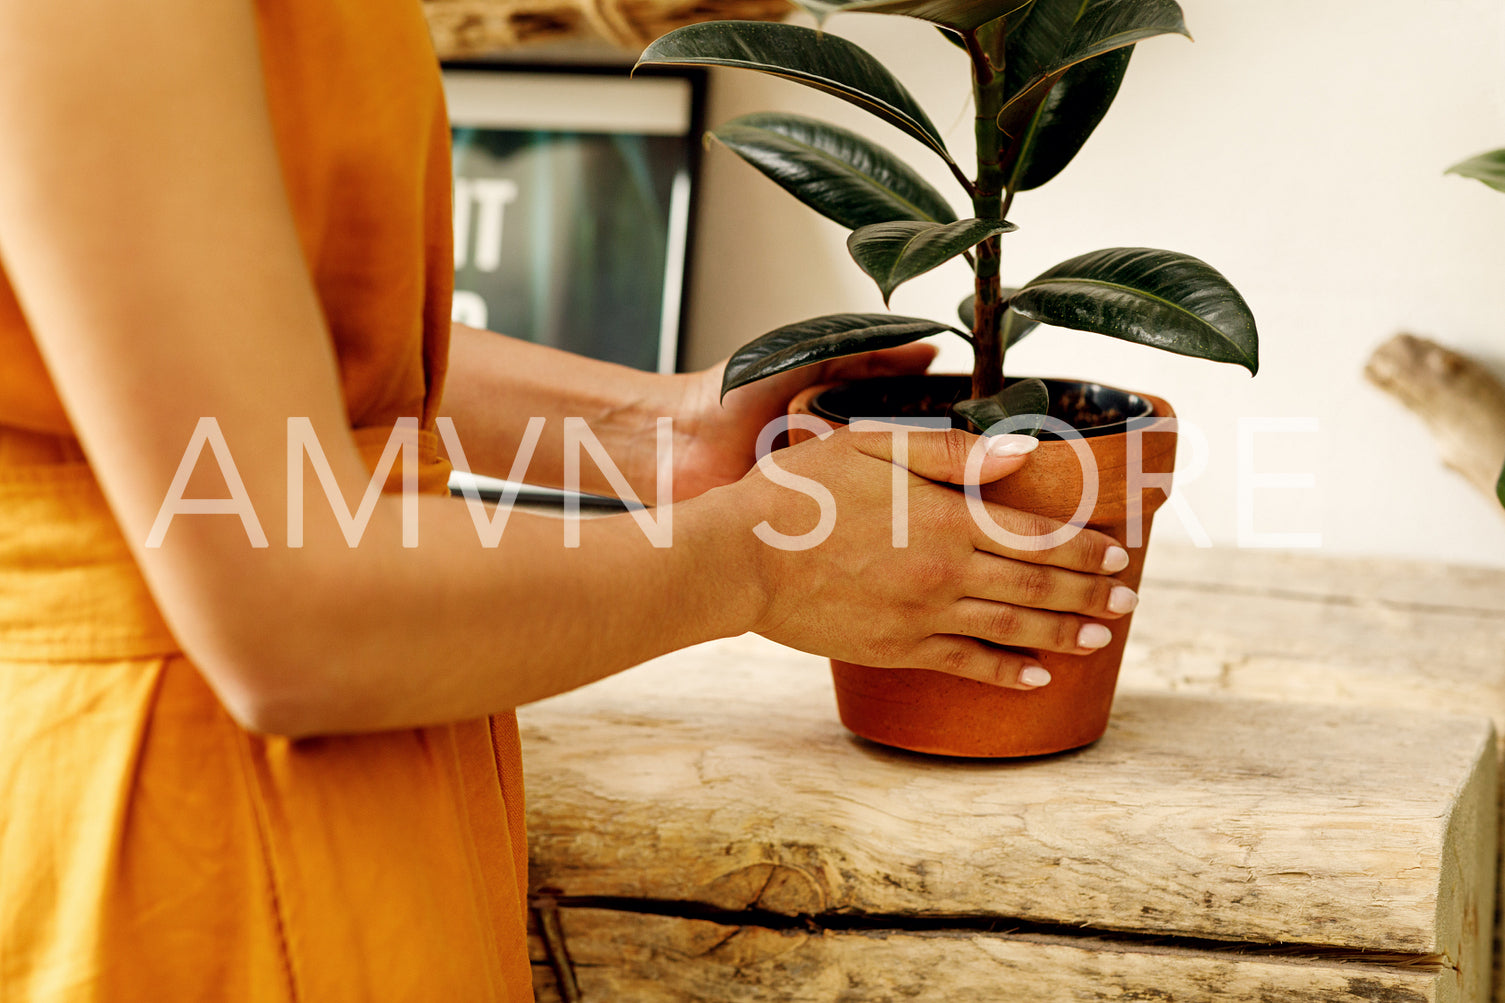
pixel 702 828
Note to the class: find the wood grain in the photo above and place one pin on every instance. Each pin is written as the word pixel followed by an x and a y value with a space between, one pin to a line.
pixel 470 29
pixel 1345 815
pixel 661 959
pixel 1373 632
pixel 720 776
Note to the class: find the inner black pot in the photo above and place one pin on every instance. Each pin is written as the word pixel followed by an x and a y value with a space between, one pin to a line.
pixel 1090 408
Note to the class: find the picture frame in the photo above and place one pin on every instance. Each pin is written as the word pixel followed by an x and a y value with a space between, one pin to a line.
pixel 574 205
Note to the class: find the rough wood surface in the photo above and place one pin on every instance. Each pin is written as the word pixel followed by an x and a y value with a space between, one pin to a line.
pixel 1376 632
pixel 468 29
pixel 1461 402
pixel 1385 633
pixel 662 959
pixel 720 776
pixel 1424 586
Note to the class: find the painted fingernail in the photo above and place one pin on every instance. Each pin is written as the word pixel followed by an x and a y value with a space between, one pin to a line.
pixel 1122 599
pixel 1011 445
pixel 1115 560
pixel 1093 635
pixel 1033 676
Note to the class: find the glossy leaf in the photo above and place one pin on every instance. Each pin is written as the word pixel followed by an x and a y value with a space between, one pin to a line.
pixel 819 339
pixel 1055 35
pixel 1014 327
pixel 1500 487
pixel 895 252
pixel 1486 167
pixel 1067 117
pixel 826 62
pixel 1023 397
pixel 838 173
pixel 958 15
pixel 1162 299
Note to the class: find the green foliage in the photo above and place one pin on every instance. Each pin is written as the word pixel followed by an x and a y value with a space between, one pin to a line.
pixel 895 252
pixel 1011 326
pixel 1043 75
pixel 1163 299
pixel 958 15
pixel 1067 117
pixel 822 338
pixel 814 58
pixel 1025 397
pixel 1486 167
pixel 838 173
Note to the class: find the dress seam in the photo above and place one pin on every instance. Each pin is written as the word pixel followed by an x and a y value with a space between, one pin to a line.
pixel 480 901
pixel 263 842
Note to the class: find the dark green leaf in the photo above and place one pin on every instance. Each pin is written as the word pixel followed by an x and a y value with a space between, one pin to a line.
pixel 1013 326
pixel 1055 35
pixel 1020 398
pixel 1159 298
pixel 1486 167
pixel 837 173
pixel 1500 487
pixel 823 61
pixel 958 15
pixel 1068 115
pixel 895 252
pixel 1033 43
pixel 819 339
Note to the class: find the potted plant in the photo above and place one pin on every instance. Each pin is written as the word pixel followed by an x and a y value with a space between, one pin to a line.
pixel 1490 169
pixel 1043 74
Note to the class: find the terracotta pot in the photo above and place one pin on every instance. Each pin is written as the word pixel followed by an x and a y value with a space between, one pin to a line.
pixel 928 711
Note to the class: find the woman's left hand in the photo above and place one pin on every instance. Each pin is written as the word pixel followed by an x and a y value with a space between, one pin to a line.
pixel 715 440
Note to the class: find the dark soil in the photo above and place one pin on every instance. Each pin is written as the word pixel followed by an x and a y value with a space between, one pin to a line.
pixel 1083 406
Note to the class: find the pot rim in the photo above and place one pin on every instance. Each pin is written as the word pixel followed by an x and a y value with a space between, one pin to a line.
pixel 1141 404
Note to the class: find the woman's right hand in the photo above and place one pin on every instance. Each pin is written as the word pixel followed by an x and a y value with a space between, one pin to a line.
pixel 952 599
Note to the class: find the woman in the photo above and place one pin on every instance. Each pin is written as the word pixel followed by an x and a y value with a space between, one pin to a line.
pixel 280 772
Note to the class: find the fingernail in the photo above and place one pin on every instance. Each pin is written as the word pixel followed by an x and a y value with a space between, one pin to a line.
pixel 1122 599
pixel 1093 635
pixel 1115 560
pixel 1033 676
pixel 1011 445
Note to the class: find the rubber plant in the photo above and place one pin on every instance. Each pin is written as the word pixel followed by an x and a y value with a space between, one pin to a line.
pixel 1043 75
pixel 1490 169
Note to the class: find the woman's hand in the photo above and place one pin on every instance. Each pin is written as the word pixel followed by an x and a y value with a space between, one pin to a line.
pixel 953 599
pixel 716 437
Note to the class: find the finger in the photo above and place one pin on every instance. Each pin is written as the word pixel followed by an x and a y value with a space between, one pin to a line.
pixel 972 659
pixel 1043 587
pixel 1025 536
pixel 902 360
pixel 1022 627
pixel 943 454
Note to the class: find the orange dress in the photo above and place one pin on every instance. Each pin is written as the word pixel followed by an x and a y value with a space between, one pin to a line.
pixel 150 849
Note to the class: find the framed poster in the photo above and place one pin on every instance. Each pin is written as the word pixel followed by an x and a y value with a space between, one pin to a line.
pixel 573 202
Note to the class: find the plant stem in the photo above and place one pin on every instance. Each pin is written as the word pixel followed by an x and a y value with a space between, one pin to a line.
pixel 987 203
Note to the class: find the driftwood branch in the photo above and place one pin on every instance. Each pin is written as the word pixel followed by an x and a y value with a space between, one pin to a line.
pixel 1460 400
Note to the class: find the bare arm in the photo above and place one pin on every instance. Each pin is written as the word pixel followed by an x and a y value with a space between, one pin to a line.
pixel 166 170
pixel 102 222
pixel 496 384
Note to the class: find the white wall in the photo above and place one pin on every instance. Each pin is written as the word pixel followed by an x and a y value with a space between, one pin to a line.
pixel 1298 146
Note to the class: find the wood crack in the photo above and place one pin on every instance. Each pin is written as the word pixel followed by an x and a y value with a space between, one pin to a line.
pixel 1097 938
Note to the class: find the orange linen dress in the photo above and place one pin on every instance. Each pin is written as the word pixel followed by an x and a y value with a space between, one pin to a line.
pixel 150 849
